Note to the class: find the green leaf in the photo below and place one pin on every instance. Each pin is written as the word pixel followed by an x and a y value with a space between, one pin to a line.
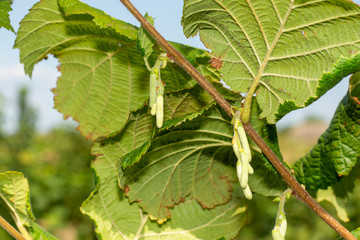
pixel 225 92
pixel 180 162
pixel 190 53
pixel 184 103
pixel 101 19
pixel 145 41
pixel 15 194
pixel 133 157
pixel 182 159
pixel 138 131
pixel 5 8
pixel 116 218
pixel 103 75
pixel 342 193
pixel 338 148
pixel 105 206
pixel 329 195
pixel 265 181
pixel 178 108
pixel 293 51
pixel 190 221
pixel 37 232
pixel 98 75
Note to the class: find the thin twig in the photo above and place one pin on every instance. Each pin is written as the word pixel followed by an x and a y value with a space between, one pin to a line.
pixel 300 192
pixel 10 229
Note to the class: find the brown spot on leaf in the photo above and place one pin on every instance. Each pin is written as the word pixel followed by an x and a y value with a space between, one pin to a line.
pixel 182 199
pixel 126 189
pixel 58 68
pixel 89 136
pixel 216 63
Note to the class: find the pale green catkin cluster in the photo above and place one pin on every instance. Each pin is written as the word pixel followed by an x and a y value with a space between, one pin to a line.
pixel 279 231
pixel 156 102
pixel 242 151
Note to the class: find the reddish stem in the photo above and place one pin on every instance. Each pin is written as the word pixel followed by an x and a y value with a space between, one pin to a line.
pixel 10 229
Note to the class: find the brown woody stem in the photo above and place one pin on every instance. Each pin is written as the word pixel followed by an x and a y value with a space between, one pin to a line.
pixel 10 229
pixel 300 192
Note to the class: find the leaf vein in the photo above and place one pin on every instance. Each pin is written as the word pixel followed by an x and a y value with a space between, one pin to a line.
pixel 314 51
pixel 242 29
pixel 260 26
pixel 322 21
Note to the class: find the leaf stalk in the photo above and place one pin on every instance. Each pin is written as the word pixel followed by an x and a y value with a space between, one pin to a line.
pixel 299 191
pixel 10 229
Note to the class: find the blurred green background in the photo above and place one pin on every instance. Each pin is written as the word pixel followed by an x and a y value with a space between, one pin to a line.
pixel 57 165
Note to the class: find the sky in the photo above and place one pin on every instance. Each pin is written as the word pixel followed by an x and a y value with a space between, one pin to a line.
pixel 167 16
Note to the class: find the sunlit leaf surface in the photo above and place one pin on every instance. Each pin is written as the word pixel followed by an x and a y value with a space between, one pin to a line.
pixel 103 76
pixel 282 46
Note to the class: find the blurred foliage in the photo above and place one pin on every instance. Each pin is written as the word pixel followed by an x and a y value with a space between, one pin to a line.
pixel 57 165
pixel 26 120
pixel 296 141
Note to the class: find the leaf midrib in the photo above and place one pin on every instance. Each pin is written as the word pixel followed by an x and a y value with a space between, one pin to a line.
pixel 263 65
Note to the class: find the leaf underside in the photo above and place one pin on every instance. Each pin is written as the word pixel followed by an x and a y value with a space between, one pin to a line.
pixel 178 107
pixel 116 218
pixel 287 48
pixel 181 160
pixel 179 163
pixel 145 41
pixel 14 193
pixel 103 75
